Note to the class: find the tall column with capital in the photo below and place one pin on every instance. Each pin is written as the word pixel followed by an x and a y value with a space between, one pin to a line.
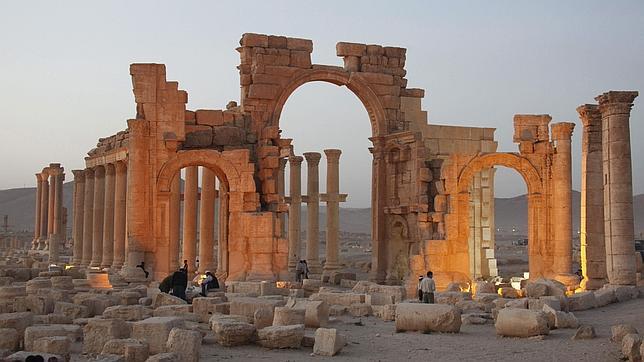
pixel 78 200
pixel 175 222
pixel 313 211
pixel 108 217
pixel 593 249
pixel 99 213
pixel 59 233
pixel 51 220
pixel 207 221
pixel 295 207
pixel 333 199
pixel 88 217
pixel 619 233
pixel 120 204
pixel 38 212
pixel 281 191
pixel 190 196
pixel 378 202
pixel 562 208
pixel 44 210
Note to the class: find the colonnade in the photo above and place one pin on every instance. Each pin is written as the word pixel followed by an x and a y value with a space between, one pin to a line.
pixel 332 198
pixel 49 228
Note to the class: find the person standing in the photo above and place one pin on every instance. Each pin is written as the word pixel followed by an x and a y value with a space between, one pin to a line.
pixel 299 271
pixel 420 292
pixel 306 269
pixel 428 287
pixel 185 266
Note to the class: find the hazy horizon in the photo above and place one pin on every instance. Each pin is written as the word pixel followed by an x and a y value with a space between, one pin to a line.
pixel 66 79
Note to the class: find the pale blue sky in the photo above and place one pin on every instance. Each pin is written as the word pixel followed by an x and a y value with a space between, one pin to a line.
pixel 65 83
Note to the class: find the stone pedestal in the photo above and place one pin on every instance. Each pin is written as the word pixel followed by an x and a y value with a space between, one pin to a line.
pixel 78 201
pixel 562 193
pixel 88 217
pixel 619 234
pixel 312 212
pixel 295 197
pixel 190 216
pixel 99 205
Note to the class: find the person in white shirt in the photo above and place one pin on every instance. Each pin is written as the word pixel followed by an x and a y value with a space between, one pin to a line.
pixel 428 287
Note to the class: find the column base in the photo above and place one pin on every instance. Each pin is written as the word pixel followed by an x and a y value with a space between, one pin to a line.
pixel 260 276
pixel 133 274
pixel 568 279
pixel 592 284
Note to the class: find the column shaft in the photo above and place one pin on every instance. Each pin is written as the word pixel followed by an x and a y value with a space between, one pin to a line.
pixel 99 212
pixel 38 211
pixel 222 250
pixel 175 221
pixel 79 197
pixel 562 208
pixel 59 234
pixel 88 217
pixel 281 191
pixel 108 217
pixel 207 221
pixel 313 211
pixel 52 207
pixel 44 210
pixel 295 191
pixel 120 213
pixel 190 216
pixel 332 209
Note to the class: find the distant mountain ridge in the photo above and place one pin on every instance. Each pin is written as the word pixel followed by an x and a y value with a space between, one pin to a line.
pixel 19 205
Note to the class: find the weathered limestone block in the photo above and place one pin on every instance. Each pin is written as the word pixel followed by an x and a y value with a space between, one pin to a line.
pixel 536 289
pixel 22 356
pixel 336 276
pixel 18 321
pixel 164 357
pixel 451 297
pixel 155 331
pixel 162 299
pixel 9 339
pixel 467 306
pixel 385 312
pixel 517 303
pixel 62 282
pixel 59 345
pixel 316 312
pixel 39 304
pixel 565 320
pixel 185 343
pixel 53 318
pixel 625 293
pixel 231 331
pixel 555 288
pixel 71 310
pixel 247 306
pixel 311 285
pixel 222 308
pixel 95 304
pixel 145 301
pixel 512 322
pixel 328 342
pixel 127 312
pixel 36 284
pixel 33 333
pixel 281 336
pixel 263 318
pixel 251 288
pixel 348 283
pixel 582 301
pixel 473 318
pixel 509 292
pixel 337 310
pixel 620 330
pixel 483 287
pixel 605 296
pixel 127 297
pixel 132 349
pixel 4 281
pixel 12 291
pixel 584 332
pixel 551 315
pixel 285 316
pixel 345 299
pixel 204 307
pixel 98 331
pixel 360 310
pixel 179 310
pixel 631 344
pixel 229 136
pixel 427 318
pixel 486 297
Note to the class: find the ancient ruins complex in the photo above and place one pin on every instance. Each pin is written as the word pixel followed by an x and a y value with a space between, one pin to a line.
pixel 432 186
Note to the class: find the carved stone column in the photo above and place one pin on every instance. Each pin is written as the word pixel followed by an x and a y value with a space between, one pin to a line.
pixel 175 221
pixel 222 250
pixel 378 201
pixel 593 249
pixel 88 217
pixel 51 205
pixel 120 213
pixel 281 191
pixel 99 212
pixel 207 221
pixel 79 197
pixel 313 211
pixel 44 210
pixel 333 199
pixel 295 207
pixel 59 233
pixel 615 107
pixel 190 195
pixel 108 217
pixel 562 208
pixel 38 212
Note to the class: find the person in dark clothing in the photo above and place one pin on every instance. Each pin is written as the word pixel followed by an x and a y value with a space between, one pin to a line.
pixel 142 266
pixel 210 282
pixel 179 283
pixel 185 266
pixel 166 284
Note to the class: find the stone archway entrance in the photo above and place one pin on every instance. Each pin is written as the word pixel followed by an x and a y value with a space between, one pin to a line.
pixel 536 212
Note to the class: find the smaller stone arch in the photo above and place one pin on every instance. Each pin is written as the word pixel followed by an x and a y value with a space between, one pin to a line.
pixel 508 159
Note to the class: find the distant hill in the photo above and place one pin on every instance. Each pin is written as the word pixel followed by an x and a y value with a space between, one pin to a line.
pixel 510 213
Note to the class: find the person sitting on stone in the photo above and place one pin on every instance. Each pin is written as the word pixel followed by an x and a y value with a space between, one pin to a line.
pixel 210 282
pixel 142 266
pixel 179 283
pixel 428 287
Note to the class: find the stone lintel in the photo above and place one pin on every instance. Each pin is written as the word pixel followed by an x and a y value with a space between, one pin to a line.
pixel 333 197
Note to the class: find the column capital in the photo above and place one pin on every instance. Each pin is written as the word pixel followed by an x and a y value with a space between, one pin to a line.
pixel 589 115
pixel 562 131
pixel 333 154
pixel 109 169
pixel 42 176
pixel 295 160
pixel 79 175
pixel 312 158
pixel 283 162
pixel 613 102
pixel 120 166
pixel 89 173
pixel 99 171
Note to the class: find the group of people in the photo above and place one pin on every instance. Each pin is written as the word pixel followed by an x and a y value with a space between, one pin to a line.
pixel 301 270
pixel 426 288
pixel 177 282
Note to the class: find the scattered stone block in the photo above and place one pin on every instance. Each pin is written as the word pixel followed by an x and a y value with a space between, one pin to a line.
pixel 335 298
pixel 511 322
pixel 162 299
pixel 517 303
pixel 164 357
pixel 385 312
pixel 360 310
pixel 605 296
pixel 625 293
pixel 328 342
pixel 486 297
pixel 316 313
pixel 155 331
pixel 127 312
pixel 22 356
pixel 71 310
pixel 584 332
pixel 311 285
pixel 284 316
pixel 231 331
pixel 263 318
pixel 179 310
pixel 289 336
pixel 619 331
pixel 97 332
pixel 184 343
pixel 336 276
pixel 308 341
pixel 39 304
pixel 582 301
pixel 59 345
pixel 9 339
pixel 565 320
pixel 132 349
pixel 247 306
pixel 32 333
pixel 62 282
pixel 536 289
pixel 427 318
pixel 631 344
pixel 337 310
pixel 18 321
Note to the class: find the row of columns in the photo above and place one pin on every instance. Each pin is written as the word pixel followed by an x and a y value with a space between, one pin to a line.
pixel 99 203
pixel 332 198
pixel 49 229
pixel 607 230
